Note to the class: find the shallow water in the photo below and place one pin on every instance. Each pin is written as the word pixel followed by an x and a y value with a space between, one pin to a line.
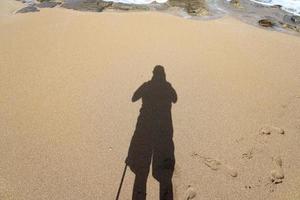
pixel 281 13
pixel 289 6
pixel 138 1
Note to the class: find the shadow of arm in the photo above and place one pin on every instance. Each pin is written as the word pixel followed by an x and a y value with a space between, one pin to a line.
pixel 138 93
pixel 173 95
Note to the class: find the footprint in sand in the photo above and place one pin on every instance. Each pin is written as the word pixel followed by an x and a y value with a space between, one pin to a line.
pixel 212 163
pixel 190 193
pixel 277 174
pixel 248 154
pixel 267 130
pixel 215 164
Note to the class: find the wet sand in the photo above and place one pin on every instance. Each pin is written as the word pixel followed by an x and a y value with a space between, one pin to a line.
pixel 66 120
pixel 8 7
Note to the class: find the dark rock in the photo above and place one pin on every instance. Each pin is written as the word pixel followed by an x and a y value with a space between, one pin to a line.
pixel 265 23
pixel 99 5
pixel 88 5
pixel 121 6
pixel 47 4
pixel 28 9
pixel 276 6
pixel 192 7
pixel 103 5
pixel 295 19
pixel 127 7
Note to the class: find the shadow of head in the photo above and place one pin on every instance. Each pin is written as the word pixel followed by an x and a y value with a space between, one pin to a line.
pixel 159 73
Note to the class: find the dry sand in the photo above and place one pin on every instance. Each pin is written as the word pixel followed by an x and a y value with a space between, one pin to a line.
pixel 66 119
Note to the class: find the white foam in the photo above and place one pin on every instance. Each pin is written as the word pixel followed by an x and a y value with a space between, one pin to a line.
pixel 291 6
pixel 137 1
pixel 29 2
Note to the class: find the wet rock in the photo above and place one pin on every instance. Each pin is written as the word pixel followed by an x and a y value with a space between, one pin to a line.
pixel 289 27
pixel 192 7
pixel 93 5
pixel 102 5
pixel 28 9
pixel 265 23
pixel 197 7
pixel 292 20
pixel 276 6
pixel 235 3
pixel 295 19
pixel 127 7
pixel 47 4
pixel 176 3
pixel 88 5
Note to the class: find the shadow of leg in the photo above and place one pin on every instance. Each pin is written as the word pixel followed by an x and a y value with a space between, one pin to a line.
pixel 166 189
pixel 163 166
pixel 139 188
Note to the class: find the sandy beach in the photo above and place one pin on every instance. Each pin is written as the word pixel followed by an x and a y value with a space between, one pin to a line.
pixel 8 7
pixel 66 116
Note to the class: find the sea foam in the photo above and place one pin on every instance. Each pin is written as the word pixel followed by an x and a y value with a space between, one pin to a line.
pixel 140 2
pixel 291 6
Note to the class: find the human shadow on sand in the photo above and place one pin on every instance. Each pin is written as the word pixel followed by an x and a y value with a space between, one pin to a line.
pixel 153 136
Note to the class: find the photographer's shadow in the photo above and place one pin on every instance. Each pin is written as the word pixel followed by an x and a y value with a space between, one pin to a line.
pixel 153 136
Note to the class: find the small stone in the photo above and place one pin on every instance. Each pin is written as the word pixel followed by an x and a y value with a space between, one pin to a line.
pixel 265 23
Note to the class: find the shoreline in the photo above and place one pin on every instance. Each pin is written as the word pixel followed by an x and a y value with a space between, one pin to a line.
pixel 244 10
